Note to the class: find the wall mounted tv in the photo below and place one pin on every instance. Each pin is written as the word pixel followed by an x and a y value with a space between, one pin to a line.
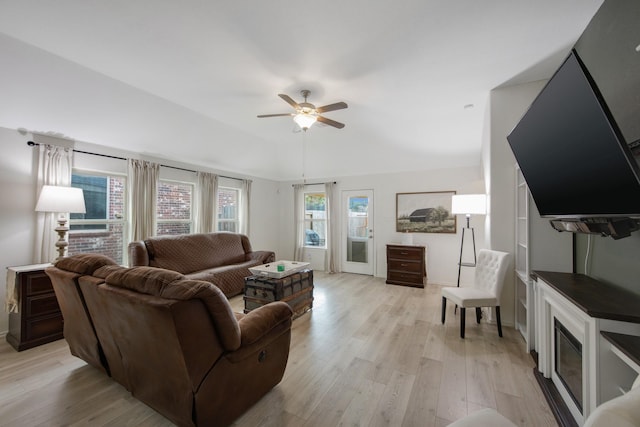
pixel 571 153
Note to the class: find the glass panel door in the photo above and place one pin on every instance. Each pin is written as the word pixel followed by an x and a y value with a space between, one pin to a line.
pixel 358 232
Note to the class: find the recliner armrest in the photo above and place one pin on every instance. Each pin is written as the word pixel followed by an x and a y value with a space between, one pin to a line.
pixel 259 322
pixel 138 254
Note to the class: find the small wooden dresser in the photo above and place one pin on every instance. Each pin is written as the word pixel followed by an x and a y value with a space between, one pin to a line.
pixel 38 320
pixel 406 265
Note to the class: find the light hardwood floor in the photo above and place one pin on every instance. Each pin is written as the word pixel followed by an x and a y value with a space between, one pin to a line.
pixel 368 354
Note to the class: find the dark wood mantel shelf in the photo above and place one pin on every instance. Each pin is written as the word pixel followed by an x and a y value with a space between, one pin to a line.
pixel 597 299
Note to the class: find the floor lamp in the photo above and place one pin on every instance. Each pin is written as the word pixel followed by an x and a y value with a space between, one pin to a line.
pixel 61 200
pixel 468 204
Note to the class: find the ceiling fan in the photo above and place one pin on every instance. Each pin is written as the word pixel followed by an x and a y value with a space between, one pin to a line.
pixel 307 114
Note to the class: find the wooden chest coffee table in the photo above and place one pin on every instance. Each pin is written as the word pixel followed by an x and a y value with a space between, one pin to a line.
pixel 295 289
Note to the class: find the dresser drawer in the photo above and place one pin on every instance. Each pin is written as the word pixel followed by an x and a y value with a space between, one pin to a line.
pixel 406 266
pixel 404 277
pixel 404 253
pixel 41 304
pixel 37 283
pixel 44 327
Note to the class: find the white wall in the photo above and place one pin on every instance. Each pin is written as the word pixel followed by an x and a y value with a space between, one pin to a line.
pixel 443 250
pixel 18 195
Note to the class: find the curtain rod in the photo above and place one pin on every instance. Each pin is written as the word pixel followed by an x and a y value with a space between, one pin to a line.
pixel 31 144
pixel 316 183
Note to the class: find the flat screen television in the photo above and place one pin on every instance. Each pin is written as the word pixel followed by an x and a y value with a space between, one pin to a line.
pixel 571 153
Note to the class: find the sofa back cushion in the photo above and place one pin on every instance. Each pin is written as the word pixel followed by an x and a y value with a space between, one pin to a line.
pixel 84 263
pixel 78 326
pixel 146 280
pixel 195 252
pixel 101 320
pixel 172 285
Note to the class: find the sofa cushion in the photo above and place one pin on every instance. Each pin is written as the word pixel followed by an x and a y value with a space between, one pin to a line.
pixel 106 270
pixel 146 280
pixel 226 277
pixel 171 285
pixel 195 252
pixel 217 305
pixel 84 263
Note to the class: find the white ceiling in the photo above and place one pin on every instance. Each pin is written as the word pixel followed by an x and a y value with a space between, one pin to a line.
pixel 185 80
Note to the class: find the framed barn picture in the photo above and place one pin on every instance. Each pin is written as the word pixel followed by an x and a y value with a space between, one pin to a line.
pixel 425 212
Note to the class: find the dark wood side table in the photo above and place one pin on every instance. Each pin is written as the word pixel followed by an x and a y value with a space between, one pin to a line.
pixel 38 320
pixel 406 265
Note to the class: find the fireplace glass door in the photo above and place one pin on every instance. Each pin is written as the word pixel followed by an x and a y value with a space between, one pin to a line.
pixel 568 362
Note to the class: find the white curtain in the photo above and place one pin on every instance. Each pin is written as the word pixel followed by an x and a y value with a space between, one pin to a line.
pixel 55 165
pixel 206 202
pixel 143 190
pixel 333 229
pixel 245 197
pixel 298 220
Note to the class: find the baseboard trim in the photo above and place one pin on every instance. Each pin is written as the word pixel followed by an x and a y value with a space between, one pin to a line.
pixel 558 407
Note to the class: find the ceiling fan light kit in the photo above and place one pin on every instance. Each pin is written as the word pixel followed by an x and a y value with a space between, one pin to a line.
pixel 307 114
pixel 304 120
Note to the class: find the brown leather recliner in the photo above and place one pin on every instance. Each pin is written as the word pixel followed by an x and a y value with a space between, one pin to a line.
pixel 178 347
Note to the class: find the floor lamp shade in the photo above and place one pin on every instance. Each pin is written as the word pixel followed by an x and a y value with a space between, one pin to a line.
pixel 61 200
pixel 468 204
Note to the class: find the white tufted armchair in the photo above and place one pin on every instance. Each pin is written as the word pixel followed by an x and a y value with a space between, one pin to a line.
pixel 491 268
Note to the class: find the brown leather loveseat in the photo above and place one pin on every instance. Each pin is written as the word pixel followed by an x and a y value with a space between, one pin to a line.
pixel 220 258
pixel 174 343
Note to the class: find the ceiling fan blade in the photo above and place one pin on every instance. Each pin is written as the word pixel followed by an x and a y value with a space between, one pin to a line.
pixel 330 122
pixel 289 101
pixel 275 115
pixel 332 107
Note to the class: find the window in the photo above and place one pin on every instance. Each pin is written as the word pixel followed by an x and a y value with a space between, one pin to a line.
pixel 101 229
pixel 174 208
pixel 315 219
pixel 228 209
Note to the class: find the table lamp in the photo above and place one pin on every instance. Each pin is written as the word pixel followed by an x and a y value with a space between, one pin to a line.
pixel 61 200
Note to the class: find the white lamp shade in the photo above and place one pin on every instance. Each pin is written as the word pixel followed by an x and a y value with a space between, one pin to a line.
pixel 60 199
pixel 304 120
pixel 469 204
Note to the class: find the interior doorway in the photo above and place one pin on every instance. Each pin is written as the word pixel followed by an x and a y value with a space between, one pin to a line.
pixel 357 238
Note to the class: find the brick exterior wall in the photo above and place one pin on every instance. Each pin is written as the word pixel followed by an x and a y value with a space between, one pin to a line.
pixel 174 203
pixel 105 239
pixel 108 242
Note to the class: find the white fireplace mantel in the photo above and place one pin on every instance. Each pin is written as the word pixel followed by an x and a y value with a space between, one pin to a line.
pixel 586 307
